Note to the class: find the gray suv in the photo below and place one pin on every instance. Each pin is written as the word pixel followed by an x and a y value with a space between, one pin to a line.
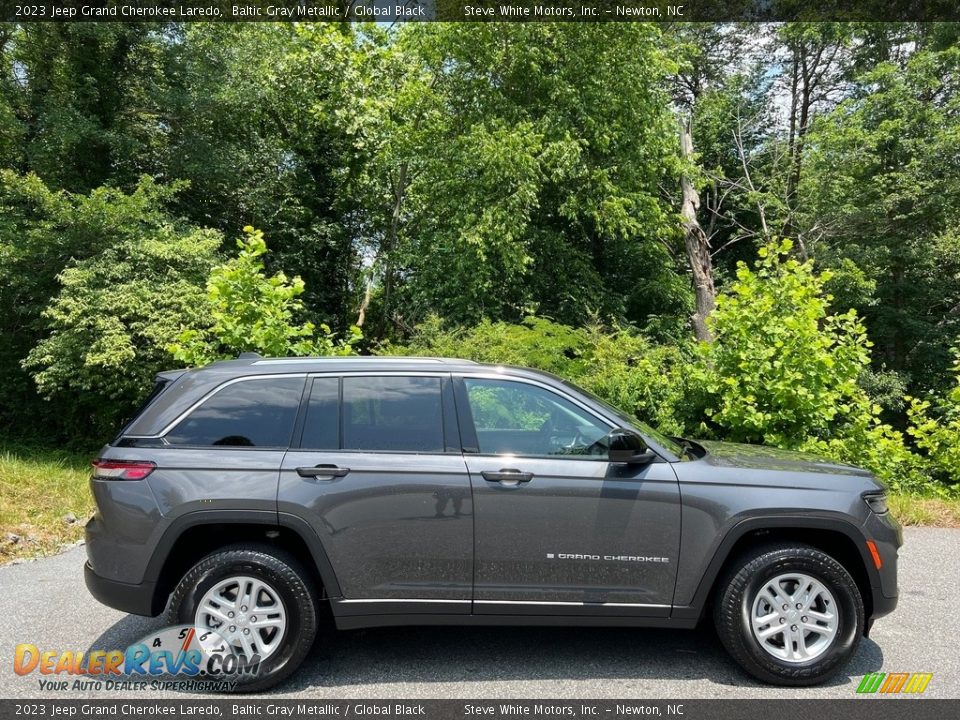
pixel 250 496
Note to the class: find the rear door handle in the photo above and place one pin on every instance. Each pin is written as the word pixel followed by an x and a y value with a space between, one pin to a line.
pixel 322 472
pixel 509 477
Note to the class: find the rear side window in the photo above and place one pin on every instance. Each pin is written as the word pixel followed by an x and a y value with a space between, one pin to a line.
pixel 250 413
pixel 392 414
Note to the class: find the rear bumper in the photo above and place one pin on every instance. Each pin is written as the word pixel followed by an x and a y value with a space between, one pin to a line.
pixel 137 599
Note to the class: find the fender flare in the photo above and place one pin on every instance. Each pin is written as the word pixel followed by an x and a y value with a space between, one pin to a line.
pixel 266 518
pixel 823 521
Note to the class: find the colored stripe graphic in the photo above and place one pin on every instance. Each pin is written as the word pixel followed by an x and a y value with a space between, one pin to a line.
pixel 894 683
pixel 871 682
pixel 918 682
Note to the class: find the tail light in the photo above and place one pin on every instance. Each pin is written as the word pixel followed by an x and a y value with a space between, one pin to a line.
pixel 122 469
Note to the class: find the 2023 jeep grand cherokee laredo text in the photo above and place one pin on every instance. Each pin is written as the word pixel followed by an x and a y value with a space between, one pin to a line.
pixel 251 494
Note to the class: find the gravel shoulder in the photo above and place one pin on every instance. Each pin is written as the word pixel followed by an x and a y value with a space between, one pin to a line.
pixel 44 602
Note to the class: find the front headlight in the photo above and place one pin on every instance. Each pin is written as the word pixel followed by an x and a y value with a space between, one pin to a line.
pixel 877 502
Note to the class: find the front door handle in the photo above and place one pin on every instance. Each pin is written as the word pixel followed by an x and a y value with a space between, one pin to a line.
pixel 508 477
pixel 322 472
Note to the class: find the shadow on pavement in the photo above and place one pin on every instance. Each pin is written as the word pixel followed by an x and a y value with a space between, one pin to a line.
pixel 462 655
pixel 425 655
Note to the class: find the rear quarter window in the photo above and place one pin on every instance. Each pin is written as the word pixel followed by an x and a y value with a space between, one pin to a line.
pixel 250 413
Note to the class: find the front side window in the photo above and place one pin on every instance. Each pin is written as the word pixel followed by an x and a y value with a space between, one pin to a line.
pixel 250 413
pixel 393 414
pixel 515 418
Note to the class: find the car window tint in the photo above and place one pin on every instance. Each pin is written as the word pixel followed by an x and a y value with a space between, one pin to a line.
pixel 251 413
pixel 520 419
pixel 321 427
pixel 392 414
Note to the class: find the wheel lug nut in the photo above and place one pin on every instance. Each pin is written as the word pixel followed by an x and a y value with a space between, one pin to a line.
pixel 230 614
pixel 244 608
pixel 803 619
pixel 799 606
pixel 253 619
pixel 782 621
pixel 246 631
pixel 233 628
pixel 786 607
pixel 793 627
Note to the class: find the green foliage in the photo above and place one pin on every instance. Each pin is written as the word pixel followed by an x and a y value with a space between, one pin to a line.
pixel 618 365
pixel 108 327
pixel 784 371
pixel 935 427
pixel 87 283
pixel 496 153
pixel 245 310
pixel 782 368
pixel 878 202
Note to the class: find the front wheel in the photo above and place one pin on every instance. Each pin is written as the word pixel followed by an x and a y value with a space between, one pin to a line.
pixel 789 614
pixel 256 600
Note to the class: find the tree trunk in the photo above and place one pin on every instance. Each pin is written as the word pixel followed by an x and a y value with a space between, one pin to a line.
pixel 697 244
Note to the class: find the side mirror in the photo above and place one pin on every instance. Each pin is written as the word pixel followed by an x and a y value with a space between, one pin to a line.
pixel 625 446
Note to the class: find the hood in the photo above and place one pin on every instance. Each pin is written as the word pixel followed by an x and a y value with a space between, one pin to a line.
pixel 761 457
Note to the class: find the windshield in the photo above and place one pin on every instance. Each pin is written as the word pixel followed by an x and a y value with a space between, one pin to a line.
pixel 628 420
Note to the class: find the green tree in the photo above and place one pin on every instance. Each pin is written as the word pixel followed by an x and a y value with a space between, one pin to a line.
pixel 84 102
pixel 108 327
pixel 43 233
pixel 245 310
pixel 884 205
pixel 506 179
pixel 783 370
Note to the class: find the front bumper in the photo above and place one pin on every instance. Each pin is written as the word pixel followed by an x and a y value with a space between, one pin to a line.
pixel 887 534
pixel 138 599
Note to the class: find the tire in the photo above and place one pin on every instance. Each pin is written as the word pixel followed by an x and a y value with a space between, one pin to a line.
pixel 782 657
pixel 282 576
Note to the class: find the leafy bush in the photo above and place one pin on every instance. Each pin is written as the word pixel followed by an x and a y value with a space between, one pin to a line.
pixel 781 369
pixel 935 427
pixel 244 310
pixel 44 232
pixel 115 315
pixel 784 371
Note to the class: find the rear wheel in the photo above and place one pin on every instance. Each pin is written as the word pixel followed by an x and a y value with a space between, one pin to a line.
pixel 789 614
pixel 258 601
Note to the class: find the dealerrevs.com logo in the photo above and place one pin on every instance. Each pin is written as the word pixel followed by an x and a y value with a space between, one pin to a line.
pixel 893 683
pixel 177 658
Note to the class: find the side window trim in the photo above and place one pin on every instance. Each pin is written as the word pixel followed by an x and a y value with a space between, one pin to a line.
pixel 468 431
pixel 469 444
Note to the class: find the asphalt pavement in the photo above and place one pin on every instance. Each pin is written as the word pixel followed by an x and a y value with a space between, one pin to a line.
pixel 45 602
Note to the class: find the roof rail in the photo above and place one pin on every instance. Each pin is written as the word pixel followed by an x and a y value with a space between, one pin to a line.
pixel 249 356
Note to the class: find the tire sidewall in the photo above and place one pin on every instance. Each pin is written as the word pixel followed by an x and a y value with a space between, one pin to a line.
pixel 289 587
pixel 849 621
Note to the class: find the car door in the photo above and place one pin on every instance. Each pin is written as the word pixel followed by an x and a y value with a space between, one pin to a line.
pixel 379 474
pixel 558 528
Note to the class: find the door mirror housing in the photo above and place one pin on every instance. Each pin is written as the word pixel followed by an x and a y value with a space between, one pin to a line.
pixel 625 446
